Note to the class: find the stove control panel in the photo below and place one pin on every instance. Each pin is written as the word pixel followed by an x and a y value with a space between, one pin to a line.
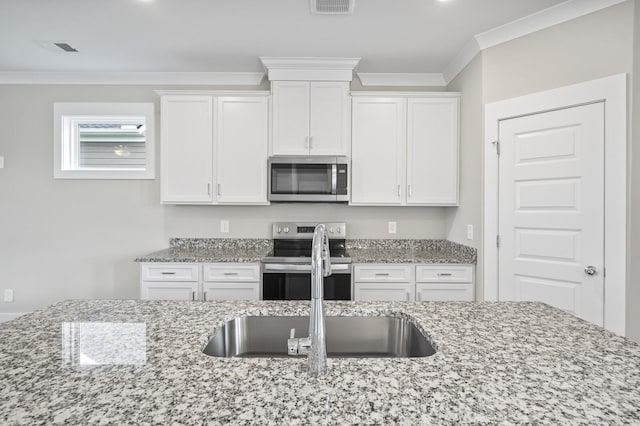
pixel 304 230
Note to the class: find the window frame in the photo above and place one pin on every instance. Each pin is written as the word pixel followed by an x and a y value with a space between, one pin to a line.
pixel 66 115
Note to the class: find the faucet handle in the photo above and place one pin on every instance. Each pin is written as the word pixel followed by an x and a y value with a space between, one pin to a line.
pixel 326 257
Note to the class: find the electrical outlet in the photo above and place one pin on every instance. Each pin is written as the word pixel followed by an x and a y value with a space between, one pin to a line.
pixel 224 226
pixel 469 232
pixel 1 162
pixel 392 227
pixel 8 295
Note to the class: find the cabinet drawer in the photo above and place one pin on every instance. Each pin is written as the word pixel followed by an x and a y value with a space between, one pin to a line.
pixel 168 272
pixel 383 273
pixel 447 273
pixel 150 290
pixel 248 272
pixel 231 291
pixel 444 292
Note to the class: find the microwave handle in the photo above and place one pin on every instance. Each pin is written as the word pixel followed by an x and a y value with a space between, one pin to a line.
pixel 334 179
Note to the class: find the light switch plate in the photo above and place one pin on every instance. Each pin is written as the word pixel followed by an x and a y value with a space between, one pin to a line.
pixel 392 227
pixel 470 232
pixel 1 162
pixel 224 226
pixel 8 295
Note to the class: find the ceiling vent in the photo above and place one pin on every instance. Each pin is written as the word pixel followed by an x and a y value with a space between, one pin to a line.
pixel 332 7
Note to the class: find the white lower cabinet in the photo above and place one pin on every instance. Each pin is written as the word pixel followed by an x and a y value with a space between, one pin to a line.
pixel 406 282
pixel 231 281
pixel 205 282
pixel 380 282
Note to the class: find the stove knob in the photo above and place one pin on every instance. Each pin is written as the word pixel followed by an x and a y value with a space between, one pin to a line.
pixel 279 230
pixel 339 230
pixel 286 229
pixel 331 230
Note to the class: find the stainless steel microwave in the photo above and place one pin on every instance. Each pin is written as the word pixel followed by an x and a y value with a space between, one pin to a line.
pixel 318 179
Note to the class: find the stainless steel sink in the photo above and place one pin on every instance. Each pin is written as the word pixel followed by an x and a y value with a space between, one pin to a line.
pixel 266 336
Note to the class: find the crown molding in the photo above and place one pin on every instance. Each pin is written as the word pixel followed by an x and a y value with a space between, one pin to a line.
pixel 307 68
pixel 412 94
pixel 541 20
pixel 137 78
pixel 401 79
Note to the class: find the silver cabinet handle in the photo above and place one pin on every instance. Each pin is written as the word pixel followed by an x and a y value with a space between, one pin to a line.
pixel 310 142
pixel 398 190
pixel 382 274
pixel 205 296
pixel 208 189
pixel 167 273
pixel 230 273
pixel 408 296
pixel 306 142
pixel 409 191
pixel 219 189
pixel 193 295
pixel 591 270
pixel 444 274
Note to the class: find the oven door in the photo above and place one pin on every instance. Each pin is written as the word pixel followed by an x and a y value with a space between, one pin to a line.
pixel 293 282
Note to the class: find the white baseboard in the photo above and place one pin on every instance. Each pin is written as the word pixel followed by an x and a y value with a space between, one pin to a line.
pixel 4 317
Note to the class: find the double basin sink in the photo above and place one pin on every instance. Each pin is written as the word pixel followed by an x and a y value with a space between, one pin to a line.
pixel 355 337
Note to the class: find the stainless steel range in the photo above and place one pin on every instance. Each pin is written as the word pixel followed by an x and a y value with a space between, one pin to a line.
pixel 287 274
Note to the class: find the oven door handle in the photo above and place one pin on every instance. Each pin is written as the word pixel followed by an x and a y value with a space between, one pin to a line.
pixel 279 267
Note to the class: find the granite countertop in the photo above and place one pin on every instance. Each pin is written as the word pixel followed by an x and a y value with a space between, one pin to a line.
pixel 410 251
pixel 207 250
pixel 361 251
pixel 507 363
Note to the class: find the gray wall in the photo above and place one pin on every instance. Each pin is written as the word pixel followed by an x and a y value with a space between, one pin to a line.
pixel 590 47
pixel 633 284
pixel 469 83
pixel 64 239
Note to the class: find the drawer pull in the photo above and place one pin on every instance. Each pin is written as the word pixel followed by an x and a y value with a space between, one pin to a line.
pixel 408 296
pixel 167 273
pixel 205 296
pixel 230 273
pixel 193 295
pixel 382 274
pixel 444 274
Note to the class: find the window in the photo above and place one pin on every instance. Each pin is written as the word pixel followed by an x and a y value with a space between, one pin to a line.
pixel 104 141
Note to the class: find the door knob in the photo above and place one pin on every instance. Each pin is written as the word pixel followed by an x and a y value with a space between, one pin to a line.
pixel 590 270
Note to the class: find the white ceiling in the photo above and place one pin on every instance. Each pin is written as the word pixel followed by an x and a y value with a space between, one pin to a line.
pixel 408 36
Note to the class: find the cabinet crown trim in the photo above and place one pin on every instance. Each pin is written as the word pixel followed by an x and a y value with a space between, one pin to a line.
pixel 310 69
pixel 398 93
pixel 214 92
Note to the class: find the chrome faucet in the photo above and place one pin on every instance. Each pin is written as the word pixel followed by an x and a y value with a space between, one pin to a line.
pixel 315 346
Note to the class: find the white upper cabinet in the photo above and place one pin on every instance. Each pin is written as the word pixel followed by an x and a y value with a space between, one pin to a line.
pixel 241 145
pixel 311 118
pixel 214 148
pixel 405 149
pixel 432 151
pixel 186 149
pixel 377 151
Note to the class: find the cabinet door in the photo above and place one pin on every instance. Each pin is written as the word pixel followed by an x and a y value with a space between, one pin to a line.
pixel 231 291
pixel 377 151
pixel 151 290
pixel 290 117
pixel 444 292
pixel 330 118
pixel 241 145
pixel 186 153
pixel 383 291
pixel 432 151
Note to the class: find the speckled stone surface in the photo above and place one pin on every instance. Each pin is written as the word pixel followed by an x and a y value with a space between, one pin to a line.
pixel 410 251
pixel 497 363
pixel 211 250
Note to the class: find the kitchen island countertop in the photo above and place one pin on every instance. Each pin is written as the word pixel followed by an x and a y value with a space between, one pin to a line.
pixel 140 362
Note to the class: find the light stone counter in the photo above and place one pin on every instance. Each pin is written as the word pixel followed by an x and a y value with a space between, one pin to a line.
pixel 496 363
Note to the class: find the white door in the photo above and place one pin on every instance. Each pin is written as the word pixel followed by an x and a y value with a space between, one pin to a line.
pixel 432 151
pixel 187 146
pixel 242 129
pixel 330 115
pixel 377 151
pixel 290 117
pixel 551 209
